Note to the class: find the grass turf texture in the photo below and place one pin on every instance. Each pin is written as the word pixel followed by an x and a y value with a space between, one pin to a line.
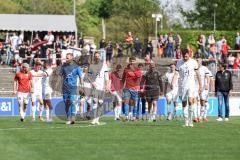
pixel 119 140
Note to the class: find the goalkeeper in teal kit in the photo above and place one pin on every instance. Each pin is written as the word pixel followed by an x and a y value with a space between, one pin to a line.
pixel 72 74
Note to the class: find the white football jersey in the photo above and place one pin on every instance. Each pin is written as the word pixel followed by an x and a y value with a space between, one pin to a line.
pixel 204 74
pixel 100 75
pixel 169 77
pixel 37 80
pixel 45 81
pixel 186 70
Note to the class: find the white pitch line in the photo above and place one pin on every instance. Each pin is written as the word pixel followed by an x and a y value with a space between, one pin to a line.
pixel 72 126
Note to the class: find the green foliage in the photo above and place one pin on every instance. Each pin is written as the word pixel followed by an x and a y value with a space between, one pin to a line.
pixel 8 6
pixel 227 14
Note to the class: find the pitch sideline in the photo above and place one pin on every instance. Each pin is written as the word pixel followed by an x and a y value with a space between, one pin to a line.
pixel 39 128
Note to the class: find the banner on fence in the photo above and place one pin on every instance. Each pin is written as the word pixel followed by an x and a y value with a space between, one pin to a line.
pixel 9 107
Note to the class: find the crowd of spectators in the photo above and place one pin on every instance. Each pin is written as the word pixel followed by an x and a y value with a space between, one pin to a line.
pixel 15 49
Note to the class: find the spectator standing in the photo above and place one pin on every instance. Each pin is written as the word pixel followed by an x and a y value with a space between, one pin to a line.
pixel 109 51
pixel 102 46
pixel 201 45
pixel 237 44
pixel 236 63
pixel 178 52
pixel 129 43
pixel 137 47
pixel 81 42
pixel 14 41
pixel 224 51
pixel 178 40
pixel 230 60
pixel 50 38
pixel 190 50
pixel 149 49
pixel 160 46
pixel 119 50
pixel 223 88
pixel 170 42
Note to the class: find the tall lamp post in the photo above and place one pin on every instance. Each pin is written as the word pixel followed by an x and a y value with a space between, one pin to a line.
pixel 158 18
pixel 214 16
pixel 74 13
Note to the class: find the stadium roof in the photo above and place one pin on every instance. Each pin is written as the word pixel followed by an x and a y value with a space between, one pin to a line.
pixel 27 22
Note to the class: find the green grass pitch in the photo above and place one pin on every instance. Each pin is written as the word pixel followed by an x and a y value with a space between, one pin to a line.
pixel 119 140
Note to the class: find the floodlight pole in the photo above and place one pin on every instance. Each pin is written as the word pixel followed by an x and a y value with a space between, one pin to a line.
pixel 158 17
pixel 74 13
pixel 214 17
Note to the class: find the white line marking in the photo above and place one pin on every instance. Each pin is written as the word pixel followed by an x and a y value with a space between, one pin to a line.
pixel 62 127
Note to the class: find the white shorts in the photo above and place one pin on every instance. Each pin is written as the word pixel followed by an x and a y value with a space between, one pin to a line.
pixel 117 97
pixel 204 95
pixel 35 96
pixel 47 96
pixel 187 92
pixel 23 97
pixel 172 95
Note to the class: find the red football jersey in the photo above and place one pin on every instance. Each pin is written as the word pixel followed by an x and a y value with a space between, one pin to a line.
pixel 23 80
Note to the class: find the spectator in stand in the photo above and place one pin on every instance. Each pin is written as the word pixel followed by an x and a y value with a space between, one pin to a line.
pixel 237 44
pixel 190 51
pixel 65 42
pixel 224 51
pixel 149 50
pixel 109 52
pixel 36 39
pixel 20 38
pixel 218 49
pixel 170 42
pixel 1 52
pixel 178 52
pixel 50 38
pixel 119 50
pixel 201 45
pixel 230 60
pixel 59 56
pixel 129 43
pixel 178 40
pixel 212 59
pixel 58 43
pixel 102 46
pixel 14 41
pixel 72 40
pixel 236 63
pixel 137 47
pixel 160 46
pixel 81 42
pixel 211 39
pixel 9 54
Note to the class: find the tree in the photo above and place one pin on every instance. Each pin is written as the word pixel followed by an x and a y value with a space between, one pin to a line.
pixel 102 9
pixel 44 6
pixel 7 6
pixel 139 14
pixel 227 14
